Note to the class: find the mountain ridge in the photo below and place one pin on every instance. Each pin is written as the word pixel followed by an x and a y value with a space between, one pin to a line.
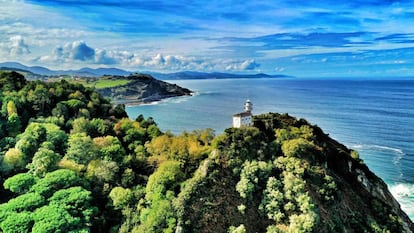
pixel 91 72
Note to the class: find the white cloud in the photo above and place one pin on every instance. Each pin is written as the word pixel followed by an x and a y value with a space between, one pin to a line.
pixel 18 46
pixel 103 57
pixel 245 65
pixel 249 65
pixel 77 50
pixel 79 53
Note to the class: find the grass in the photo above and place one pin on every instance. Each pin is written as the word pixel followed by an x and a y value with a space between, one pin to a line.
pixel 100 83
pixel 105 83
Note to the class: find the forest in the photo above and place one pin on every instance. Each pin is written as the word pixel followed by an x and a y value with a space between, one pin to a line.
pixel 70 161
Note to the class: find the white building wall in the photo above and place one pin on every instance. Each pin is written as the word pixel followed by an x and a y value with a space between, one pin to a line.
pixel 239 121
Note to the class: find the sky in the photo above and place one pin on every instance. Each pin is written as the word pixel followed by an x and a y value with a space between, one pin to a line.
pixel 324 38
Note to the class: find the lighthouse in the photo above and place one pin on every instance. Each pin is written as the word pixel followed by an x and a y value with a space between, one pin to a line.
pixel 244 119
pixel 248 106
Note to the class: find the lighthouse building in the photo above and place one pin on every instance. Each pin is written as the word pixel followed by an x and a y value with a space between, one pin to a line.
pixel 244 119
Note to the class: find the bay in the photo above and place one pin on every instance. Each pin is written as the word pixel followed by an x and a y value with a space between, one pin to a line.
pixel 374 117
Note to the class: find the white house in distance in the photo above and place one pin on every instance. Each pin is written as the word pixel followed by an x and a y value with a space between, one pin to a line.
pixel 244 118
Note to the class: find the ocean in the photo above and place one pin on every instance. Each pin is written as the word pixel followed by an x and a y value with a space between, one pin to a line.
pixel 374 117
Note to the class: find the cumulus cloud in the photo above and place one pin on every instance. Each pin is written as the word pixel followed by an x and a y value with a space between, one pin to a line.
pixel 18 46
pixel 104 57
pixel 249 65
pixel 79 52
pixel 165 62
pixel 245 65
pixel 177 62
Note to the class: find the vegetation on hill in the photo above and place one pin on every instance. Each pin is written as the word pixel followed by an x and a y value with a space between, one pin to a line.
pixel 72 162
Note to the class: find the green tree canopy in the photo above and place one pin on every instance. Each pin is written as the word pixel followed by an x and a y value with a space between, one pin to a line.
pixel 56 180
pixel 20 183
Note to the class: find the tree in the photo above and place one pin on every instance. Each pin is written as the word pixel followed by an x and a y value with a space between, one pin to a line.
pixel 44 160
pixel 11 108
pixel 57 137
pixel 305 132
pixel 14 159
pixel 13 125
pixel 99 127
pixel 40 98
pixel 239 229
pixel 102 171
pixel 26 202
pixel 121 197
pixel 31 138
pixel 252 174
pixel 273 200
pixel 11 81
pixel 60 110
pixel 17 223
pixel 166 177
pixel 130 133
pixel 297 147
pixel 77 201
pixel 56 180
pixel 53 218
pixel 80 148
pixel 109 148
pixel 80 125
pixel 20 183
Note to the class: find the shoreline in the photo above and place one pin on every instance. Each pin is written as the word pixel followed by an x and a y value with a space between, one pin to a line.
pixel 147 101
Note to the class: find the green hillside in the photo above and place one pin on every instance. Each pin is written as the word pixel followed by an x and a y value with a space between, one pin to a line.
pixel 70 161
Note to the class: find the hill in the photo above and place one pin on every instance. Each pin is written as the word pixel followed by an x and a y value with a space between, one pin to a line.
pixel 140 88
pixel 72 162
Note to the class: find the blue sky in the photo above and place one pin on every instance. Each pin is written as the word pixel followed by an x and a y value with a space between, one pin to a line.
pixel 322 38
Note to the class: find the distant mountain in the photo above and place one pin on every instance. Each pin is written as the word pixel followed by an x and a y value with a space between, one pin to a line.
pixel 214 75
pixel 32 69
pixel 81 72
pixel 103 71
pixel 90 72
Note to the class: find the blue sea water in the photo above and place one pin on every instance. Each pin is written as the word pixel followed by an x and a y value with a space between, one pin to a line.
pixel 374 117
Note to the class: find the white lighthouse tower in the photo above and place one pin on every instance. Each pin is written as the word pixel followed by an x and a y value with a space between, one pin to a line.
pixel 244 119
pixel 248 106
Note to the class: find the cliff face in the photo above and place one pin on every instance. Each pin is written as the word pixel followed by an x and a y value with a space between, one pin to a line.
pixel 284 175
pixel 143 89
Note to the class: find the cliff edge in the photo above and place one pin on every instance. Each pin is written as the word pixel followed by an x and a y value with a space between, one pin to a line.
pixel 285 175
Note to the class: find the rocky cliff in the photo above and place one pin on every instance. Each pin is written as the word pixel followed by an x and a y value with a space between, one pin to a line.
pixel 143 89
pixel 285 175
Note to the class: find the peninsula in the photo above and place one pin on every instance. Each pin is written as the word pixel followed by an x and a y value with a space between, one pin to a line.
pixel 139 89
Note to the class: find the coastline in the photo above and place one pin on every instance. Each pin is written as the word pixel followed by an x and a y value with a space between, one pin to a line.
pixel 151 100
